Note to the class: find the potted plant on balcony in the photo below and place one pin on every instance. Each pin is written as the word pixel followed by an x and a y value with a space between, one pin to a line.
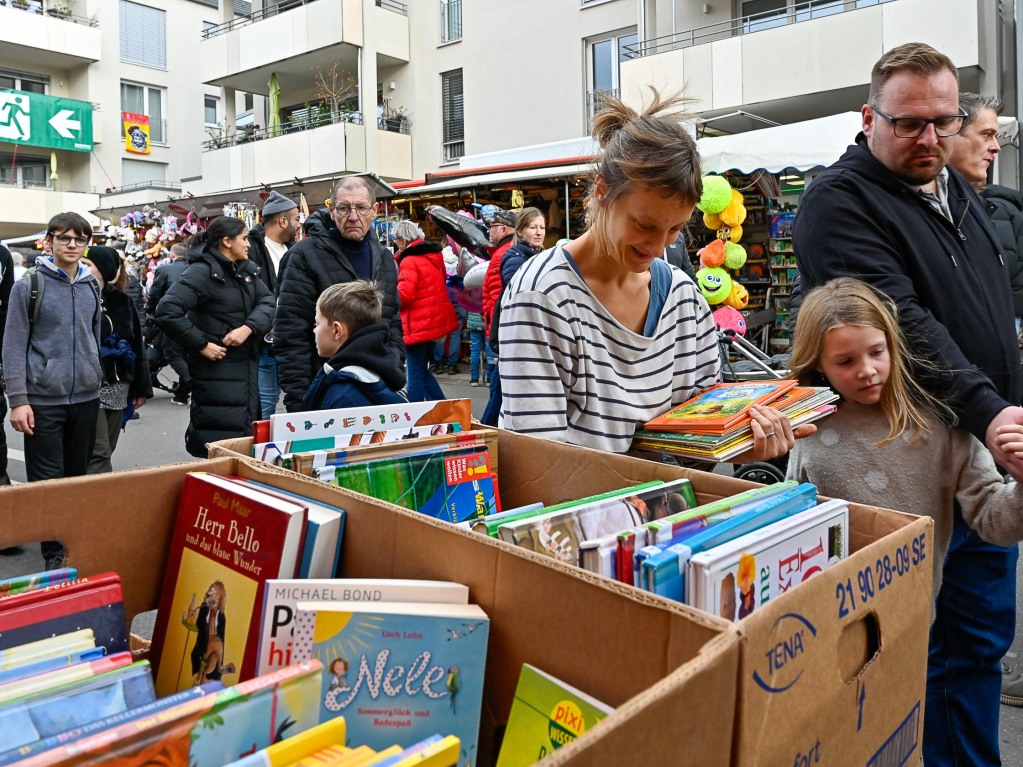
pixel 335 88
pixel 60 10
pixel 22 4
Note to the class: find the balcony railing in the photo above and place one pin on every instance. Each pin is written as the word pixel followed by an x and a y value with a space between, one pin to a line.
pixel 59 10
pixel 744 25
pixel 452 150
pixel 593 99
pixel 152 184
pixel 255 133
pixel 281 7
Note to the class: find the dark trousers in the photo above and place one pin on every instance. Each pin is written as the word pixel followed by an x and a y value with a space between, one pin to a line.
pixel 973 627
pixel 5 478
pixel 175 357
pixel 493 409
pixel 422 386
pixel 60 446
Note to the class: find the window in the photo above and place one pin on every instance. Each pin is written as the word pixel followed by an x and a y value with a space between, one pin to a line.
pixel 211 110
pixel 450 20
pixel 139 173
pixel 143 35
pixel 24 170
pixel 21 81
pixel 453 113
pixel 247 101
pixel 603 59
pixel 146 100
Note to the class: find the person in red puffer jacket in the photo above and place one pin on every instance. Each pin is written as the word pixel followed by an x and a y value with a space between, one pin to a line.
pixel 426 311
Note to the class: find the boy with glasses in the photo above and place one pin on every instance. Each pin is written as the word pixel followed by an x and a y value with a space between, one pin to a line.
pixel 51 359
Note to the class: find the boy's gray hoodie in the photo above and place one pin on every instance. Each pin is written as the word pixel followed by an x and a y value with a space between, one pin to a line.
pixel 56 362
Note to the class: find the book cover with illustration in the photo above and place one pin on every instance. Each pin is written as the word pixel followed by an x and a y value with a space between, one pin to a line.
pixel 546 714
pixel 279 453
pixel 281 596
pixel 93 603
pixel 207 731
pixel 228 540
pixel 32 581
pixel 735 578
pixel 45 649
pixel 720 406
pixel 359 420
pixel 453 485
pixel 398 672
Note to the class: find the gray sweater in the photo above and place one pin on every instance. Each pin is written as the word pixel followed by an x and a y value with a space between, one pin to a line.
pixel 924 477
pixel 56 362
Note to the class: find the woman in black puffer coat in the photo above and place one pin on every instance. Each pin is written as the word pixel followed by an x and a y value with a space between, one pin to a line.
pixel 217 312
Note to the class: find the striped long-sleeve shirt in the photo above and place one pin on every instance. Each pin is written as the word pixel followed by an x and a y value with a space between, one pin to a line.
pixel 571 372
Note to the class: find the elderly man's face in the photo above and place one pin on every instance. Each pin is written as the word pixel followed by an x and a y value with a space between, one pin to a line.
pixel 353 212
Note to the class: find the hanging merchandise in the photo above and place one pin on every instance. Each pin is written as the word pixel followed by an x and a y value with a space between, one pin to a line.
pixel 724 211
pixel 245 211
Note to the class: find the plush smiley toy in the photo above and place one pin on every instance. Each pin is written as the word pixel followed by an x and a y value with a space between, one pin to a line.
pixel 738 298
pixel 715 283
pixel 727 318
pixel 713 255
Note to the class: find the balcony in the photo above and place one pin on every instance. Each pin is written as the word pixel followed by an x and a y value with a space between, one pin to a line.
pixel 318 148
pixel 26 207
pixel 810 60
pixel 30 29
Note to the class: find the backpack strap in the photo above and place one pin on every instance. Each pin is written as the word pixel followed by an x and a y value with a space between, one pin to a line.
pixel 35 294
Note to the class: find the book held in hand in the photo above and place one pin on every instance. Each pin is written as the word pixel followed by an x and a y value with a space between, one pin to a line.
pixel 720 406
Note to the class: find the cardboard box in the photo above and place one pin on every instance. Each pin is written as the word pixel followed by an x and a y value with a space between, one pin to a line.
pixel 648 657
pixel 826 676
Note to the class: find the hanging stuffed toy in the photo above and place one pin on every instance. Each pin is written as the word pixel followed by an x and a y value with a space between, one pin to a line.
pixel 729 318
pixel 724 211
pixel 715 283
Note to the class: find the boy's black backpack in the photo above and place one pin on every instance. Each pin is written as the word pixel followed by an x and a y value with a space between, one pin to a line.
pixel 36 283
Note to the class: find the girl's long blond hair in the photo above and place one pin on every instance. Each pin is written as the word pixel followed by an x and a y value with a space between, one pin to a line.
pixel 848 301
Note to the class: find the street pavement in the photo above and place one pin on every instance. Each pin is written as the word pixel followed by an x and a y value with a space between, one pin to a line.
pixel 157 438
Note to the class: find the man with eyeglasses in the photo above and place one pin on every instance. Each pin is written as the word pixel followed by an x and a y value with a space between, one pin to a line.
pixel 342 250
pixel 891 213
pixel 51 359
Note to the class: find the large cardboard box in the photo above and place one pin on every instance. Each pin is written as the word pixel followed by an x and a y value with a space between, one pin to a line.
pixel 831 673
pixel 659 663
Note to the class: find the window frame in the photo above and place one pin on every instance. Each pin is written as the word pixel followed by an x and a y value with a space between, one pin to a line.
pixel 456 29
pixel 452 124
pixel 157 138
pixel 143 29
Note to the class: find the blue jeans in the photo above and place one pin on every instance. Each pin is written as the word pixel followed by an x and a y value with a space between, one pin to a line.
pixel 422 386
pixel 477 343
pixel 449 351
pixel 269 387
pixel 493 409
pixel 972 630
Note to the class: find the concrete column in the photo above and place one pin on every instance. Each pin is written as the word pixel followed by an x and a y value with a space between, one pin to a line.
pixel 368 84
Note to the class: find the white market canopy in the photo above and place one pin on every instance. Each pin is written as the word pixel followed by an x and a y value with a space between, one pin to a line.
pixel 802 146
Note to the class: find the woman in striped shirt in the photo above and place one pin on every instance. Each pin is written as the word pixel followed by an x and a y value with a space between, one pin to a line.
pixel 600 335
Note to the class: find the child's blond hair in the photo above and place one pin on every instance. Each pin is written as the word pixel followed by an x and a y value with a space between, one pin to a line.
pixel 848 301
pixel 356 304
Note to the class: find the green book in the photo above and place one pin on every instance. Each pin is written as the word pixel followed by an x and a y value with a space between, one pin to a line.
pixel 545 715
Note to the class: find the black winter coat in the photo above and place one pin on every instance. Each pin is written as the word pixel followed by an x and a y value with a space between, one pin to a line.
pixel 949 280
pixel 166 276
pixel 313 265
pixel 1005 206
pixel 213 297
pixel 260 256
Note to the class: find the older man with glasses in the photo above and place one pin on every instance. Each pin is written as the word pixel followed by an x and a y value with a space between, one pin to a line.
pixel 346 249
pixel 892 213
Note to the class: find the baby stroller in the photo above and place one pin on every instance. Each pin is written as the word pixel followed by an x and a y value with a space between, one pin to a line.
pixel 753 364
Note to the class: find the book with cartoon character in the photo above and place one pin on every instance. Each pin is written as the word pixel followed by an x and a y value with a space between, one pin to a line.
pixel 279 453
pixel 359 420
pixel 228 539
pixel 399 671
pixel 720 406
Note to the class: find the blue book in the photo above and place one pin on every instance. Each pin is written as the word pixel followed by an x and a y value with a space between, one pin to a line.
pixel 664 573
pixel 59 709
pixel 43 666
pixel 22 752
pixel 398 672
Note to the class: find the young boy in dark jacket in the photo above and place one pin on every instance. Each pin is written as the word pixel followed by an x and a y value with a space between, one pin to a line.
pixel 362 368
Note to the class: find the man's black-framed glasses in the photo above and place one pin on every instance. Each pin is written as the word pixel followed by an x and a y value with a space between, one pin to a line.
pixel 912 127
pixel 67 239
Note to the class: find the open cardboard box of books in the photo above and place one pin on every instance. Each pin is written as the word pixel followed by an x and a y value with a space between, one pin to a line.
pixel 833 672
pixel 636 652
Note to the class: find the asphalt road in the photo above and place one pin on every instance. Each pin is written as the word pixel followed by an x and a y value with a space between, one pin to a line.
pixel 157 438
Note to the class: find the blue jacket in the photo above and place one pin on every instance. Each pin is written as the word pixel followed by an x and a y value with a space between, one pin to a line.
pixel 367 370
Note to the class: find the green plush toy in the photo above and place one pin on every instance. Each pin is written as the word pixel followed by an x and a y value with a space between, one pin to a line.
pixel 735 255
pixel 715 283
pixel 717 193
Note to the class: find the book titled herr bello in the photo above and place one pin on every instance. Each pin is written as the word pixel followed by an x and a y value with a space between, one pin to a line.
pixel 228 539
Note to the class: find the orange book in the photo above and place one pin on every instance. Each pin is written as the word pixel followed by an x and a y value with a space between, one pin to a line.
pixel 719 407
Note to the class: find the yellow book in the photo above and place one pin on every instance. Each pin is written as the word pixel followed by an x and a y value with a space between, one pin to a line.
pixel 46 649
pixel 337 756
pixel 443 753
pixel 303 744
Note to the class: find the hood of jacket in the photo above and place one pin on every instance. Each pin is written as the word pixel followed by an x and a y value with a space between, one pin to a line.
pixel 998 192
pixel 318 222
pixel 221 265
pixel 46 263
pixel 369 347
pixel 432 251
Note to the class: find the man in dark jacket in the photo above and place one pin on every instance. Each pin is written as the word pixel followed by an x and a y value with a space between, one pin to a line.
pixel 347 250
pixel 892 214
pixel 6 283
pixel 268 242
pixel 166 276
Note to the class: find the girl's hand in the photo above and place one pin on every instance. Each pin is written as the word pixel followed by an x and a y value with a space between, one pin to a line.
pixel 1010 438
pixel 213 352
pixel 238 336
pixel 772 435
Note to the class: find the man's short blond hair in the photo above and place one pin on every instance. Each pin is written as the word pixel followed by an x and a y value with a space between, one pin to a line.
pixel 356 304
pixel 919 58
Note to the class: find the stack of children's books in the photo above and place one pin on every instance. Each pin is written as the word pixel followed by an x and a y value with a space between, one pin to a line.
pixel 260 655
pixel 753 546
pixel 420 455
pixel 715 425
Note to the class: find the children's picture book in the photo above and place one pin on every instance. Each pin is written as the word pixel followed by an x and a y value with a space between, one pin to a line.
pixel 93 603
pixel 50 680
pixel 62 661
pixel 373 418
pixel 277 452
pixel 546 714
pixel 435 751
pixel 734 579
pixel 290 750
pixel 46 649
pixel 720 406
pixel 398 671
pixel 228 540
pixel 454 485
pixel 19 583
pixel 324 532
pixel 281 596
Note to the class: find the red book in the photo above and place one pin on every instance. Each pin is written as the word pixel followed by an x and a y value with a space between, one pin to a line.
pixel 228 540
pixel 87 603
pixel 260 431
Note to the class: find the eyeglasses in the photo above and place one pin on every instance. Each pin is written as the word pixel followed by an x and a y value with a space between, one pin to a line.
pixel 67 239
pixel 346 210
pixel 912 127
pixel 496 224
